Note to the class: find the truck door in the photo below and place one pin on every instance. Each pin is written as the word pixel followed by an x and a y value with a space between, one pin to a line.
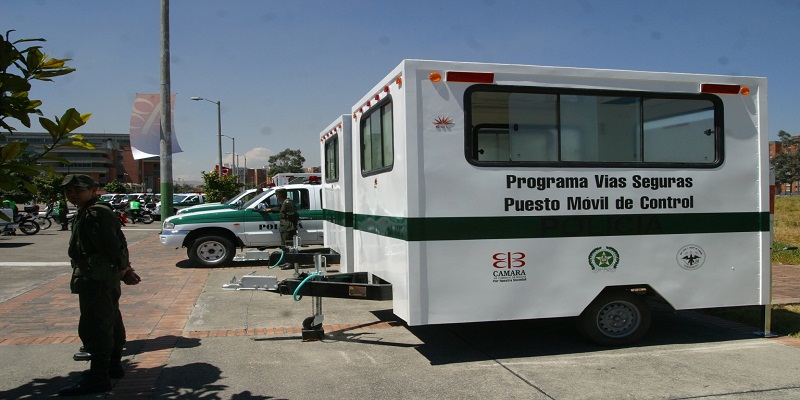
pixel 261 224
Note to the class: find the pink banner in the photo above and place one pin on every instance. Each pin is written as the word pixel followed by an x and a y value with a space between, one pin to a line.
pixel 146 126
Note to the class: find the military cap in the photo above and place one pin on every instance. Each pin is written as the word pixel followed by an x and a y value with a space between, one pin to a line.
pixel 281 191
pixel 80 180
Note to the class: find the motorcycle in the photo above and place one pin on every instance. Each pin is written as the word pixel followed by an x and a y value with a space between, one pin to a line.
pixel 25 223
pixel 123 218
pixel 45 220
pixel 144 215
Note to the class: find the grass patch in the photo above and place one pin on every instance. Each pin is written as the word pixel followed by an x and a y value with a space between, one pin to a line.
pixel 785 318
pixel 787 229
pixel 788 257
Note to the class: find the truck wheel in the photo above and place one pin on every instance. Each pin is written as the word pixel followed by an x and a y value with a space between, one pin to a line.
pixel 212 251
pixel 615 318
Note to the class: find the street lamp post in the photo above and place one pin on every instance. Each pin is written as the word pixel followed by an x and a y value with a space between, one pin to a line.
pixel 233 151
pixel 219 129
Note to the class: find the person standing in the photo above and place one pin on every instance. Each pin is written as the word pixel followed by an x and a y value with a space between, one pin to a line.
pixel 135 208
pixel 62 213
pixel 289 217
pixel 98 252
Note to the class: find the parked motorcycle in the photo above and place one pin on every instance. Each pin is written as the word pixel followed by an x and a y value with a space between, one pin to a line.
pixel 25 223
pixel 44 220
pixel 144 215
pixel 123 218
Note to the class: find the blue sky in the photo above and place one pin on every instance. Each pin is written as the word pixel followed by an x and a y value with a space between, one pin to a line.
pixel 284 70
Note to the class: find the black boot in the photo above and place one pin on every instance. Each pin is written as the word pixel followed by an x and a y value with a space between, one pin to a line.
pixel 98 380
pixel 115 368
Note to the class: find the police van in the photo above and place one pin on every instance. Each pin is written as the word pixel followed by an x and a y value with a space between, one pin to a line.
pixel 486 192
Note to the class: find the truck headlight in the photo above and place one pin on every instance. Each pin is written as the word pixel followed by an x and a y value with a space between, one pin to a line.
pixel 169 225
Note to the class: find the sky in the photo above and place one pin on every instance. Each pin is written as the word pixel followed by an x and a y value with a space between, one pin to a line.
pixel 284 70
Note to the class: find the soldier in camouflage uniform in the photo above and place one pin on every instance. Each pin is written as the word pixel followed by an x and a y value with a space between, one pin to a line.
pixel 99 255
pixel 289 218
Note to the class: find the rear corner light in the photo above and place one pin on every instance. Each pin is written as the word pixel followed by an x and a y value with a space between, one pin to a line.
pixel 721 89
pixel 470 77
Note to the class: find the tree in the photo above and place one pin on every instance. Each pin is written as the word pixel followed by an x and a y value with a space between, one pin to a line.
pixel 217 187
pixel 286 161
pixel 19 165
pixel 115 187
pixel 49 187
pixel 786 160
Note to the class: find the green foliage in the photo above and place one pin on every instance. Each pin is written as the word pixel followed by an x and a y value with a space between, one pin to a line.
pixel 49 187
pixel 787 161
pixel 115 187
pixel 286 161
pixel 216 187
pixel 18 68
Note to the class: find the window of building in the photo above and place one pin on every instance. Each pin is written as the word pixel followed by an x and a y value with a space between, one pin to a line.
pixel 570 127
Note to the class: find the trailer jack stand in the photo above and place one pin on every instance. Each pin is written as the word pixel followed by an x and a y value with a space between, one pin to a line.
pixel 312 326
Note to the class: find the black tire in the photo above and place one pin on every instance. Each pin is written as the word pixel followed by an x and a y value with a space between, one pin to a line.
pixel 212 251
pixel 44 222
pixel 29 227
pixel 147 219
pixel 615 318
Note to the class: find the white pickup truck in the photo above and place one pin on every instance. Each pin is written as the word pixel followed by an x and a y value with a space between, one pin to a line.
pixel 211 237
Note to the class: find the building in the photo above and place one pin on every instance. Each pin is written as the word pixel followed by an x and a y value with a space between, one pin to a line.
pixel 111 160
pixel 776 147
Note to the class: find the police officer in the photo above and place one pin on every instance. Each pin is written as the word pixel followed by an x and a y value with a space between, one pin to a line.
pixel 62 214
pixel 99 255
pixel 289 217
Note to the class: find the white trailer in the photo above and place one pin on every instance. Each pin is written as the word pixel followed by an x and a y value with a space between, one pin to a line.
pixel 337 190
pixel 486 192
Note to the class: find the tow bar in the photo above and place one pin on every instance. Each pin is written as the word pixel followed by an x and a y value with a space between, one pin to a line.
pixel 318 284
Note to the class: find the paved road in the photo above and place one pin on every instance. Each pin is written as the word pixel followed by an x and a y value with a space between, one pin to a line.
pixel 188 338
pixel 31 260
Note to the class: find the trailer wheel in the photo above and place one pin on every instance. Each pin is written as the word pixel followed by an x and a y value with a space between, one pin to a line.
pixel 615 318
pixel 212 251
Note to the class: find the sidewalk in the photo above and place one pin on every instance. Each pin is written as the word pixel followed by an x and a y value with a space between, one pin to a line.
pixel 785 284
pixel 156 310
pixel 168 314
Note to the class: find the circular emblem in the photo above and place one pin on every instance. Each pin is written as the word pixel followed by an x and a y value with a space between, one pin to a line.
pixel 603 258
pixel 691 257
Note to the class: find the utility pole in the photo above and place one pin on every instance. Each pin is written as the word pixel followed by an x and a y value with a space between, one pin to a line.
pixel 166 117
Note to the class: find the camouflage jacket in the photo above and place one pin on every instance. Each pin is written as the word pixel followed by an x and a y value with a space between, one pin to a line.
pixel 97 247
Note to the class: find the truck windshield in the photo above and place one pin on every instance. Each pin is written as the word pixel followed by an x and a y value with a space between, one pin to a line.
pixel 255 200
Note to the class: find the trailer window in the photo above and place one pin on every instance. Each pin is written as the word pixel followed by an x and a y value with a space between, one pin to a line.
pixel 377 144
pixel 572 127
pixel 332 159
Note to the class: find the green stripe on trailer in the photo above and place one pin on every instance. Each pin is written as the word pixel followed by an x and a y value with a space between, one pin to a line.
pixel 344 219
pixel 475 228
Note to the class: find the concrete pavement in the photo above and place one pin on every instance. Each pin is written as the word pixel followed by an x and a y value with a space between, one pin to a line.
pixel 188 338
